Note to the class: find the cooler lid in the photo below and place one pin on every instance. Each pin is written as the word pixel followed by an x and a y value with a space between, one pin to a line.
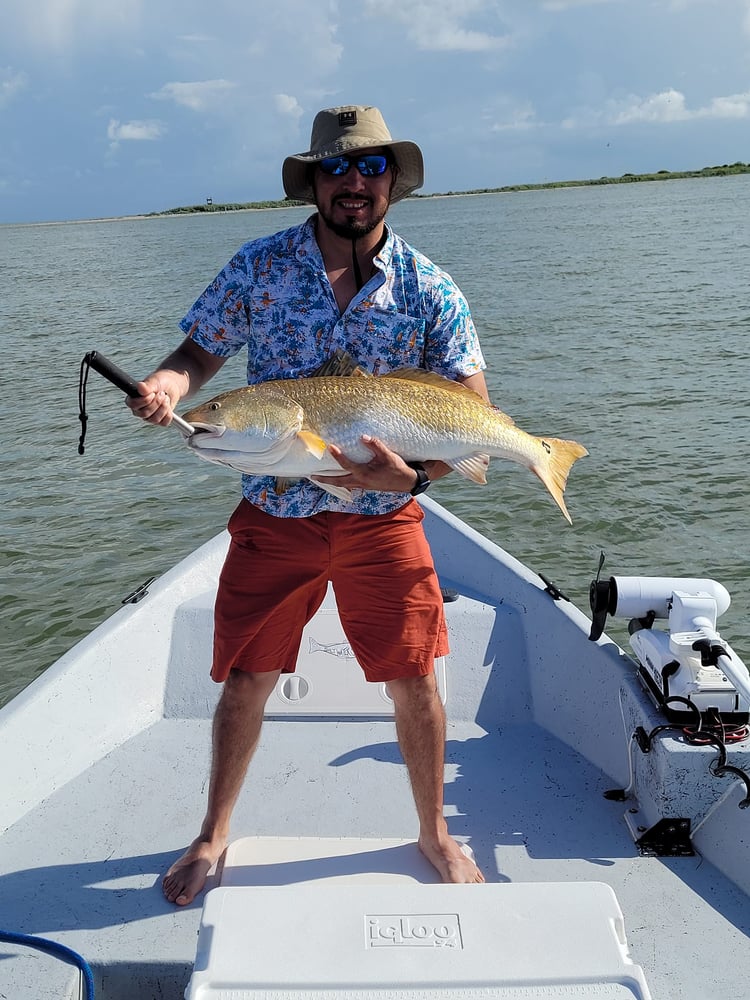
pixel 409 941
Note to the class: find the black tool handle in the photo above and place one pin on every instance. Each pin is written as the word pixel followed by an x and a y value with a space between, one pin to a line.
pixel 124 382
pixel 111 372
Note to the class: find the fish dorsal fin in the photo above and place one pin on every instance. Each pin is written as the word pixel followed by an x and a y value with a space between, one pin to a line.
pixel 340 363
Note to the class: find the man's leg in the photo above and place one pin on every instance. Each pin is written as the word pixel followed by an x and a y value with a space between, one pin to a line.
pixel 236 730
pixel 420 727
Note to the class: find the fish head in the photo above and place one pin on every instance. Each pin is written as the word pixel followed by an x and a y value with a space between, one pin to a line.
pixel 254 426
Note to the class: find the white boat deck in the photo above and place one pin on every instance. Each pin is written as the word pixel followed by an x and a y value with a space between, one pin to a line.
pixel 531 809
pixel 81 862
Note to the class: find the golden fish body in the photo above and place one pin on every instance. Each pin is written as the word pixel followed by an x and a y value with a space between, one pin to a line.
pixel 283 428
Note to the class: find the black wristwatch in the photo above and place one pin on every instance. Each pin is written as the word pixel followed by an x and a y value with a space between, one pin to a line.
pixel 423 480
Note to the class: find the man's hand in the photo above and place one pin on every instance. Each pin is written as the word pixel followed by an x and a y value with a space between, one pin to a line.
pixel 156 401
pixel 180 375
pixel 386 471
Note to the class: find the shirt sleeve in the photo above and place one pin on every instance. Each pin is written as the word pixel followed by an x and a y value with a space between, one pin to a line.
pixel 219 320
pixel 452 344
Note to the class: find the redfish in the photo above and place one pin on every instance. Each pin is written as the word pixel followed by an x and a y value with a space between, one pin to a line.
pixel 283 428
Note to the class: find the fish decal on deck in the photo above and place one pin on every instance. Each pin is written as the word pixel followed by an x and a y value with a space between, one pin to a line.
pixel 340 649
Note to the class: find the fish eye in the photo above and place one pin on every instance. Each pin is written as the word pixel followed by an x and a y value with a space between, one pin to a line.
pixel 214 406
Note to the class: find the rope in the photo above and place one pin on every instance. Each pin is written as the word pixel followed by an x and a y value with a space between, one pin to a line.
pixel 59 951
pixel 82 415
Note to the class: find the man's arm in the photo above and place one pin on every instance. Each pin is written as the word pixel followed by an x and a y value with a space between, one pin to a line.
pixel 178 376
pixel 476 382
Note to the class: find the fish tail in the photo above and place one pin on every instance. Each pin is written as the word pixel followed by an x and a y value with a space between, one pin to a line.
pixel 554 466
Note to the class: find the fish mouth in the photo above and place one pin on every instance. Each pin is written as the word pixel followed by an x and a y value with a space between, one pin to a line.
pixel 207 431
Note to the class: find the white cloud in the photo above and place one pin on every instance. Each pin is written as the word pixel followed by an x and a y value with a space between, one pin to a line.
pixel 201 95
pixel 288 106
pixel 662 108
pixel 671 106
pixel 668 106
pixel 135 131
pixel 438 25
pixel 734 106
pixel 11 83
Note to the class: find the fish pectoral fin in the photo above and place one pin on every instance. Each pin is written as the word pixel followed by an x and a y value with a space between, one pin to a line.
pixel 473 467
pixel 340 492
pixel 313 442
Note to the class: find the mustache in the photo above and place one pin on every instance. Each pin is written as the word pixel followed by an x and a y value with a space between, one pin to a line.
pixel 347 196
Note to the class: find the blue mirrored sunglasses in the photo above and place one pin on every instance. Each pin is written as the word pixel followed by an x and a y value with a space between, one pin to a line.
pixel 372 165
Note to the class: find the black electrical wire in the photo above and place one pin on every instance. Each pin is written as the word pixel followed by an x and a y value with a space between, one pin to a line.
pixel 708 731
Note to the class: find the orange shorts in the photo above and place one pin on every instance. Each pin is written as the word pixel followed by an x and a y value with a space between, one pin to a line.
pixel 276 575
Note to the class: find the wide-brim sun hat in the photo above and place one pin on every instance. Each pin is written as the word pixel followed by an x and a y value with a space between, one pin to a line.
pixel 349 129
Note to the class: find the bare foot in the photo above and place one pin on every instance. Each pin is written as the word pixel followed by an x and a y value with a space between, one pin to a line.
pixel 453 861
pixel 188 874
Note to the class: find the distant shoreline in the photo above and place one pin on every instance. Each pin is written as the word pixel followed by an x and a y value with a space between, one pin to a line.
pixel 725 170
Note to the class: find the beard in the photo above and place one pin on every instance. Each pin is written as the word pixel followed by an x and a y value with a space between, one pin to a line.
pixel 351 228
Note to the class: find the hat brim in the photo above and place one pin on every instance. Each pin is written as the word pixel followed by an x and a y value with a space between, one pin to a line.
pixel 408 156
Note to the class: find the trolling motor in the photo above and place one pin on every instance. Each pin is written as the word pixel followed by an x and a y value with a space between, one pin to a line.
pixel 688 667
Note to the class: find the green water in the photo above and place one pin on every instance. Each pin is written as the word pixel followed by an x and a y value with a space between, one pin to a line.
pixel 616 315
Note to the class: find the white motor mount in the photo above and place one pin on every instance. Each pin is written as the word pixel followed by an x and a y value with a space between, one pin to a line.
pixel 689 662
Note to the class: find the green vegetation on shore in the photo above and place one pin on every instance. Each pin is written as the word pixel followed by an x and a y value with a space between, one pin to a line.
pixel 661 175
pixel 229 207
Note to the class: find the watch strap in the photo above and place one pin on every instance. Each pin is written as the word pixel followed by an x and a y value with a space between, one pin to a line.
pixel 423 480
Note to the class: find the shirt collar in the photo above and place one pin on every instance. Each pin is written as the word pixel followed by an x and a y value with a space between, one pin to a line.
pixel 307 248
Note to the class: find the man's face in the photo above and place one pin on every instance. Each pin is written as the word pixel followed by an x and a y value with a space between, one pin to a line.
pixel 352 205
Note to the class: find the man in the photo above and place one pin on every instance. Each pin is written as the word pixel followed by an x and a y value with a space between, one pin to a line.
pixel 341 280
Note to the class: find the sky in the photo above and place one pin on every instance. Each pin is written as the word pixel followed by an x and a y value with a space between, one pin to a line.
pixel 120 107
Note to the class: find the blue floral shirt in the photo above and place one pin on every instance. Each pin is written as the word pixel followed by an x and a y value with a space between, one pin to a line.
pixel 274 297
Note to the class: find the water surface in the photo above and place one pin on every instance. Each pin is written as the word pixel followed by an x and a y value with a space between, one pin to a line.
pixel 617 315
